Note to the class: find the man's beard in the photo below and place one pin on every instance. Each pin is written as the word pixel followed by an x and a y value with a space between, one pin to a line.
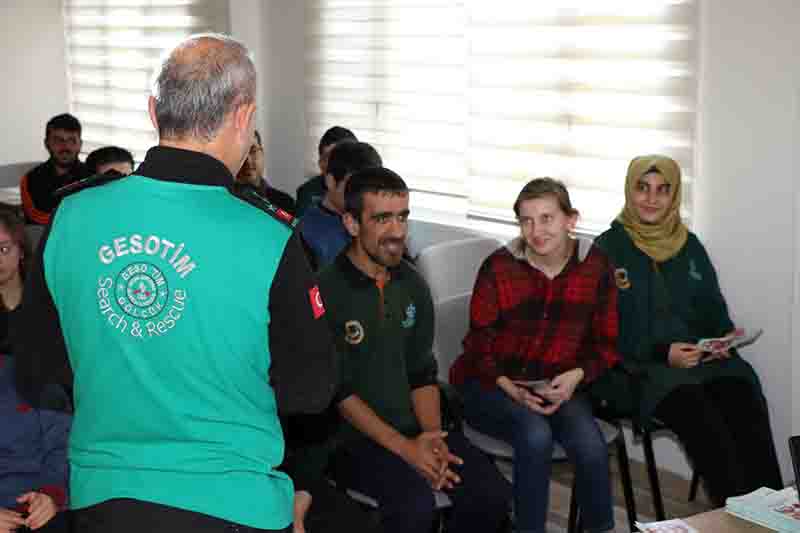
pixel 65 164
pixel 387 263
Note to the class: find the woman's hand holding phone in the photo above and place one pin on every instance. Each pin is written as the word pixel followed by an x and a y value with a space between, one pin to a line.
pixel 529 393
pixel 563 386
pixel 683 355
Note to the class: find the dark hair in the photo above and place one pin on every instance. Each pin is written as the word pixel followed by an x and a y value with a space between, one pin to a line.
pixel 541 187
pixel 370 180
pixel 349 157
pixel 108 154
pixel 14 223
pixel 334 135
pixel 64 121
pixel 258 137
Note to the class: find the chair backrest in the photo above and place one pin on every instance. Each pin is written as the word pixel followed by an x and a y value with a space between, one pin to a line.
pixel 11 173
pixel 450 267
pixel 452 324
pixel 423 234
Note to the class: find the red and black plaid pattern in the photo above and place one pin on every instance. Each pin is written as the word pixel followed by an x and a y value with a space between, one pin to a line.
pixel 526 326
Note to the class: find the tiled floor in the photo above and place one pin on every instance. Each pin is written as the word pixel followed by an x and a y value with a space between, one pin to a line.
pixel 675 491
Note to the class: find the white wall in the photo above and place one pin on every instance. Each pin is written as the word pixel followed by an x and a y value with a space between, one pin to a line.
pixel 275 27
pixel 285 102
pixel 750 90
pixel 796 304
pixel 34 86
pixel 246 23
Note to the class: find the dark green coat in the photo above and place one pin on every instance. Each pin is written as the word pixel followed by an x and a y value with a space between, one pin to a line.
pixel 678 300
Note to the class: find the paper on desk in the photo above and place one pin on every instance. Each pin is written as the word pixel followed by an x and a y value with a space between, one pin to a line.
pixel 666 526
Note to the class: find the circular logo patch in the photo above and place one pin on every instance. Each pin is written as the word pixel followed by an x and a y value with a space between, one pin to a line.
pixel 141 290
pixel 353 332
pixel 621 277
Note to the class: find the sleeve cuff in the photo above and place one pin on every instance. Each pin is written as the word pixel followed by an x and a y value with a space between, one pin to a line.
pixel 342 394
pixel 58 493
pixel 423 379
pixel 590 372
pixel 661 352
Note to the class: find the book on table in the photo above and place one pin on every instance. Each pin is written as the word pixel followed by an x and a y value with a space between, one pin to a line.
pixel 775 509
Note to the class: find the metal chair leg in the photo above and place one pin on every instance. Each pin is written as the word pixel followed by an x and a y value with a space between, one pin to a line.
pixel 572 521
pixel 625 477
pixel 693 487
pixel 652 473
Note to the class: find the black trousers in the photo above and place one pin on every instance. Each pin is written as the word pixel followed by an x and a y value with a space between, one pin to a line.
pixel 125 515
pixel 406 500
pixel 333 511
pixel 725 429
pixel 58 524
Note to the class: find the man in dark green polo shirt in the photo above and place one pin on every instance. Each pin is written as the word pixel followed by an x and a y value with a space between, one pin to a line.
pixel 381 313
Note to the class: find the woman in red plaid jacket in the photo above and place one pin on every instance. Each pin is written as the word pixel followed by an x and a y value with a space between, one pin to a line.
pixel 543 324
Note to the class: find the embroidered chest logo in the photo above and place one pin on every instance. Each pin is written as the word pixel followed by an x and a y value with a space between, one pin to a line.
pixel 621 278
pixel 353 332
pixel 137 299
pixel 693 272
pixel 411 316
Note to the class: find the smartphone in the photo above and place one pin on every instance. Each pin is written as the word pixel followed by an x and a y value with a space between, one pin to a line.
pixel 535 387
pixel 794 449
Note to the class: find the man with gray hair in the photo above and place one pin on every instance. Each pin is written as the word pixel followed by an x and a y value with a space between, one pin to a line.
pixel 184 316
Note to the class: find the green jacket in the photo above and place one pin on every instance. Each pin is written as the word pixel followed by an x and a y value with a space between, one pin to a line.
pixel 678 300
pixel 179 308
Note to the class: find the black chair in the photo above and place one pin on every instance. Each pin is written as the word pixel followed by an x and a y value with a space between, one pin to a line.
pixel 646 434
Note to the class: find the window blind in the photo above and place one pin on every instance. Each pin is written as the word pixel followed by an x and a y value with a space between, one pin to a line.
pixel 113 48
pixel 395 73
pixel 468 100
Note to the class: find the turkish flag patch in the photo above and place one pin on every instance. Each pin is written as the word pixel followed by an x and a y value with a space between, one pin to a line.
pixel 316 301
pixel 284 215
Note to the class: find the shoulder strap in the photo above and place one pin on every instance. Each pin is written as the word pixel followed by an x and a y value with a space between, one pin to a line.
pixel 250 195
pixel 92 181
